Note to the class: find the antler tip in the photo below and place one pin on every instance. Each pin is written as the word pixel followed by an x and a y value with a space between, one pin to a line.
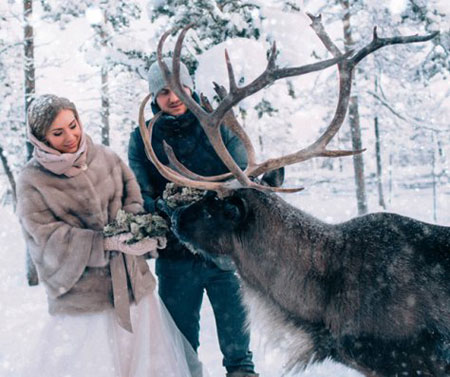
pixel 272 55
pixel 375 34
pixel 274 46
pixel 313 17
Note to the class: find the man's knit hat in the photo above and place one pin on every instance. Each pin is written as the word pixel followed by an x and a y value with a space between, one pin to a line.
pixel 156 80
pixel 43 111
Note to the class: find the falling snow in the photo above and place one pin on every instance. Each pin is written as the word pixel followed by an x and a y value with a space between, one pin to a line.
pixel 415 114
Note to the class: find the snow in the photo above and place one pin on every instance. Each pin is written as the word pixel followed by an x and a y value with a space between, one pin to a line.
pixel 94 15
pixel 397 6
pixel 62 69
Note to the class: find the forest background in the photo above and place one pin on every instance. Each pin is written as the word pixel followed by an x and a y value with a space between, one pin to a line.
pixel 96 52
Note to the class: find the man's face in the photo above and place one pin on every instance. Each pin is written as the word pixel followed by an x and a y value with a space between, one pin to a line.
pixel 170 103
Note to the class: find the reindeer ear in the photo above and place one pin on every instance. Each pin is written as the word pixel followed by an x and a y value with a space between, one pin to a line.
pixel 235 209
pixel 273 178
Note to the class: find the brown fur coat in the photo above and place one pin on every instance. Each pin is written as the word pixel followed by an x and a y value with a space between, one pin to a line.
pixel 63 219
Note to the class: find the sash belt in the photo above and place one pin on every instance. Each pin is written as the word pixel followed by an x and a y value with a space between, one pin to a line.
pixel 120 291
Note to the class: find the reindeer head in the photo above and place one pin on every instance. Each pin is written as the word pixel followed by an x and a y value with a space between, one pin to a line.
pixel 213 224
pixel 210 223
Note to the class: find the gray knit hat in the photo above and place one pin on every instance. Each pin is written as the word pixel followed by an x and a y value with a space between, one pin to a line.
pixel 156 80
pixel 43 111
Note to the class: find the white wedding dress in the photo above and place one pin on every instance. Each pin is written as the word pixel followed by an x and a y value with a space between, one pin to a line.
pixel 95 345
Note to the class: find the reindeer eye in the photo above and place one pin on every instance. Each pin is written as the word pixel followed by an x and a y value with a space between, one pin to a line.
pixel 231 211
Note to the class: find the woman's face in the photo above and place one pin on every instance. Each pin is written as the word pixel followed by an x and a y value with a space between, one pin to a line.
pixel 64 134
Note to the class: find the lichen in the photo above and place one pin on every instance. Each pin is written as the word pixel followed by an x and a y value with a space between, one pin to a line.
pixel 141 226
pixel 176 196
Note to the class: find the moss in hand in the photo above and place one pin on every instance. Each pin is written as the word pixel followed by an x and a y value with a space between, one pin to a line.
pixel 141 226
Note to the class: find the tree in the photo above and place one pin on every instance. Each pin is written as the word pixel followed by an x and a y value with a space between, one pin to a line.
pixel 215 21
pixel 381 201
pixel 109 21
pixel 400 123
pixel 16 90
pixel 29 90
pixel 353 117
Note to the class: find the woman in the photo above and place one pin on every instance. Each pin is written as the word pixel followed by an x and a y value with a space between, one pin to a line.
pixel 105 318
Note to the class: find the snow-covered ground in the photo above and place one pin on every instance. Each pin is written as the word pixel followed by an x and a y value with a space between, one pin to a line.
pixel 23 308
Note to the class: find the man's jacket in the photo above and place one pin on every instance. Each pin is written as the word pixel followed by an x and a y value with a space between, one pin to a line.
pixel 192 148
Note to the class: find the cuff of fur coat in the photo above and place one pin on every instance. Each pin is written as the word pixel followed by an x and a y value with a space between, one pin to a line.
pixel 133 208
pixel 99 256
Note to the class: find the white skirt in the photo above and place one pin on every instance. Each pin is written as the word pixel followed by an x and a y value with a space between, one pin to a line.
pixel 95 345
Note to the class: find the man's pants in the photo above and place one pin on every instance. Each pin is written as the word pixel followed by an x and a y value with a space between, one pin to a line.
pixel 181 286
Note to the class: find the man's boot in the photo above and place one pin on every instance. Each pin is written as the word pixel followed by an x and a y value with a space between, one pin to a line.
pixel 242 374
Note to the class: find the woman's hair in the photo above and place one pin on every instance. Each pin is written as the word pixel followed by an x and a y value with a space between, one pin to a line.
pixel 43 111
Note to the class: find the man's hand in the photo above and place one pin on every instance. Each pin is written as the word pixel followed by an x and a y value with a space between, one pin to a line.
pixel 162 207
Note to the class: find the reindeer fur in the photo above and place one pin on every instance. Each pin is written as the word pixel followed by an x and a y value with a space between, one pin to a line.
pixel 372 293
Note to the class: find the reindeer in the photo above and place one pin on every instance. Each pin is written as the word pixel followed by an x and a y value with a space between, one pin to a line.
pixel 372 293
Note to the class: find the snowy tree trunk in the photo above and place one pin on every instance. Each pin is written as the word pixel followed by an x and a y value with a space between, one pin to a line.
pixel 9 174
pixel 105 105
pixel 358 162
pixel 433 175
pixel 29 86
pixel 381 201
pixel 104 89
pixel 391 184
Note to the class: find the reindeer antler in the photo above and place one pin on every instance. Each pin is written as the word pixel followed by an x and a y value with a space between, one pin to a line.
pixel 211 120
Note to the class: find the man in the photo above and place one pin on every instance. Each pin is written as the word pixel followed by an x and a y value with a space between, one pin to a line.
pixel 184 276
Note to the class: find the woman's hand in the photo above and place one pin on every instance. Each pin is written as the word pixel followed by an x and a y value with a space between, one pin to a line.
pixel 146 245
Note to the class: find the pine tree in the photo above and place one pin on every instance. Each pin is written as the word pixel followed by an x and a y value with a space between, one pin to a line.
pixel 215 21
pixel 110 22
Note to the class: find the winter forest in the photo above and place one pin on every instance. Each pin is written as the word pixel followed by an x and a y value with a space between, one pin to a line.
pixel 97 52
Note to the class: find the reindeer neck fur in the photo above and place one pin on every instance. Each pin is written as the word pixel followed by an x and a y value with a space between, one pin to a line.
pixel 289 264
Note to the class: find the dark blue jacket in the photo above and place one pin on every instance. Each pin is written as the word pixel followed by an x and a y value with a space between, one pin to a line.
pixel 192 148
